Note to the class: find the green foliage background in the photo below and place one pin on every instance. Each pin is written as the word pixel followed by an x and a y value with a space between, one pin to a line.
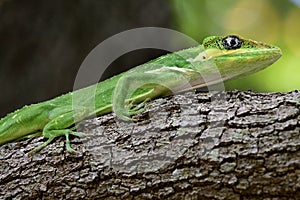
pixel 271 21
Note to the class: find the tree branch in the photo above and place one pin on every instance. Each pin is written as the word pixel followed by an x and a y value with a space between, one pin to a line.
pixel 217 145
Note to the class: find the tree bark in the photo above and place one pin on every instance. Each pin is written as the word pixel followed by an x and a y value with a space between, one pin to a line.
pixel 217 145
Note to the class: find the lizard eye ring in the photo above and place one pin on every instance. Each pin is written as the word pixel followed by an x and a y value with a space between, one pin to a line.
pixel 232 42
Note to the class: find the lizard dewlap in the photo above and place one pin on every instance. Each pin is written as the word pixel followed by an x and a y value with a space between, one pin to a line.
pixel 219 58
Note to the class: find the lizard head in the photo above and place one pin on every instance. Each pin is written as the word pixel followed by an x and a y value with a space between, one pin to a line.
pixel 235 56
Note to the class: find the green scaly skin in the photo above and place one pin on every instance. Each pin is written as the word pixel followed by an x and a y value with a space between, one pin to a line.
pixel 217 59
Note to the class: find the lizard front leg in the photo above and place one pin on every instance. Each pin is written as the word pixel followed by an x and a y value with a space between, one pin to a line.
pixel 146 85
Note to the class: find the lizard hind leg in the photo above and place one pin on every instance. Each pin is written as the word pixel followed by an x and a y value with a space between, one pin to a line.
pixel 60 126
pixel 58 133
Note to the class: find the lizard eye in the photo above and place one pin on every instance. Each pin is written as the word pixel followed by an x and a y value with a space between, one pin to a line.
pixel 232 42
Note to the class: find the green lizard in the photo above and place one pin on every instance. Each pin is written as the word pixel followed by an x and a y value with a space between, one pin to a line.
pixel 231 57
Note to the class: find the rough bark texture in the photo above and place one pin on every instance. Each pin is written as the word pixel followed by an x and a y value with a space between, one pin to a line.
pixel 220 145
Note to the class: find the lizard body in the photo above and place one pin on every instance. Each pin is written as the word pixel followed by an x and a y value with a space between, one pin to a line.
pixel 217 59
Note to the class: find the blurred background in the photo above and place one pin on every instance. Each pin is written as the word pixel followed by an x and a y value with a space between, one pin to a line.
pixel 43 43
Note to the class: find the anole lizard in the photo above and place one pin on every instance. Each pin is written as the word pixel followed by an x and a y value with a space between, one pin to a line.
pixel 231 57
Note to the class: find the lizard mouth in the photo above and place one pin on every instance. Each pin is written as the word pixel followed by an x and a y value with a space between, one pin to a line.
pixel 262 53
pixel 268 52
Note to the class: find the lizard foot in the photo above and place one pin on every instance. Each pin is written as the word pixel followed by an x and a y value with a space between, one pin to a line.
pixel 58 133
